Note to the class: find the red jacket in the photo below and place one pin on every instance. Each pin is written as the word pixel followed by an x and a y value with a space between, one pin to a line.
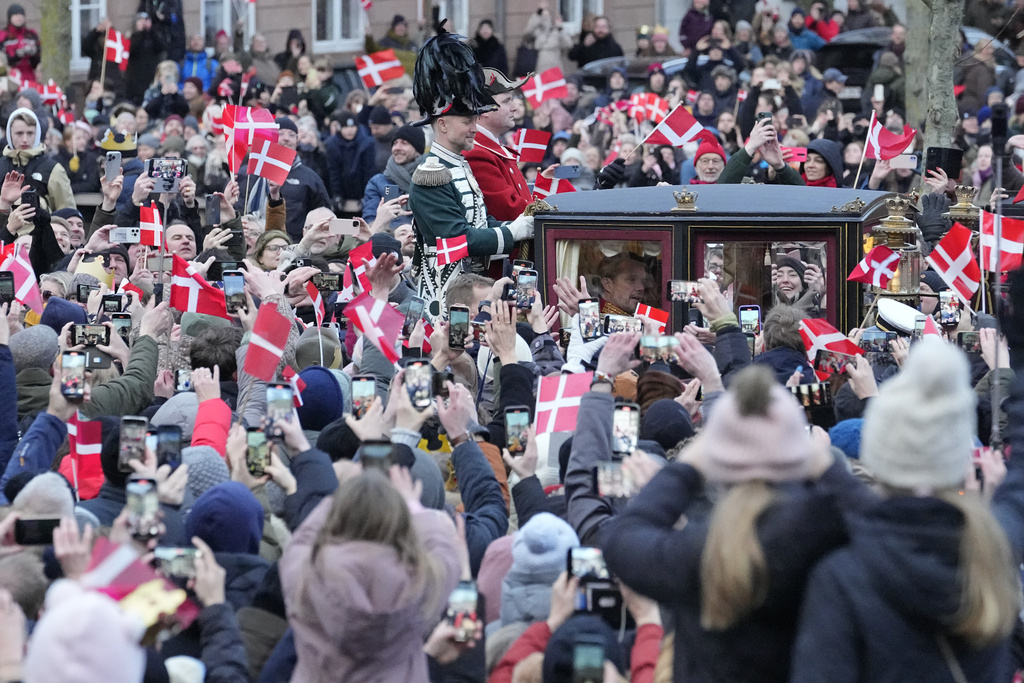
pixel 535 639
pixel 494 166
pixel 826 28
pixel 212 424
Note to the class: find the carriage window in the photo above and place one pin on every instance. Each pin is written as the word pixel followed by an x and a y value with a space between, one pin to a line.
pixel 622 273
pixel 769 273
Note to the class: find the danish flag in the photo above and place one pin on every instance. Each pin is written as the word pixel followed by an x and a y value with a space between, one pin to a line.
pixel 151 228
pixel 877 268
pixel 318 303
pixel 451 249
pixel 117 47
pixel 930 328
pixel 1011 243
pixel 190 293
pixel 953 259
pixel 247 124
pixel 83 469
pixel 655 315
pixel 638 107
pixel 378 321
pixel 531 145
pixel 272 161
pixel 613 154
pixel 367 4
pixel 359 260
pixel 26 288
pixel 298 385
pixel 377 67
pixel 266 343
pixel 677 129
pixel 558 401
pixel 817 334
pixel 50 94
pixel 548 85
pixel 882 144
pixel 692 96
pixel 741 96
pixel 545 187
pixel 657 108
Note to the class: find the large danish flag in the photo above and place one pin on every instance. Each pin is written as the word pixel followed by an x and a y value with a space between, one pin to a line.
pixel 190 293
pixel 83 468
pixel 558 401
pixel 882 144
pixel 953 259
pixel 545 187
pixel 818 334
pixel 272 161
pixel 548 85
pixel 151 228
pixel 531 145
pixel 318 303
pixel 877 268
pixel 266 343
pixel 377 67
pixel 451 249
pixel 677 129
pixel 247 124
pixel 1011 243
pixel 117 48
pixel 378 321
pixel 26 288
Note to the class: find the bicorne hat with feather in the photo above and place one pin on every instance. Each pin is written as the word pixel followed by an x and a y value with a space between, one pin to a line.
pixel 448 81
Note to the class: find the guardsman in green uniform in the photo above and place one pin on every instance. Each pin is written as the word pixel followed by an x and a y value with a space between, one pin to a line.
pixel 445 198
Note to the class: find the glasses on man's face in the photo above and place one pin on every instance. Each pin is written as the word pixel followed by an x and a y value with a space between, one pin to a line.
pixel 46 295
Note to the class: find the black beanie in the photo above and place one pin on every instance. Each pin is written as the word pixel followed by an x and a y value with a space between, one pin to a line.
pixel 14 9
pixel 338 441
pixel 414 136
pixel 285 123
pixel 380 116
pixel 110 453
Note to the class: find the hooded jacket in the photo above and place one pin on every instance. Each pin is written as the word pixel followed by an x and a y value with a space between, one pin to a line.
pixel 21 46
pixel 42 172
pixel 877 606
pixel 832 152
pixel 357 613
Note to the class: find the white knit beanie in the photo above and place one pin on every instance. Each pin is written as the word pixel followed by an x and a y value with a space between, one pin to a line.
pixel 919 431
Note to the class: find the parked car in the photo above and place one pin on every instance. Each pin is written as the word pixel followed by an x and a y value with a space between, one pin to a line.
pixel 856 53
pixel 595 74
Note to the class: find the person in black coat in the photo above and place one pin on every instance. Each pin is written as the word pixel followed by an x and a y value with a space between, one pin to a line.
pixel 350 161
pixel 927 589
pixel 488 49
pixel 784 351
pixel 143 58
pixel 733 582
pixel 598 43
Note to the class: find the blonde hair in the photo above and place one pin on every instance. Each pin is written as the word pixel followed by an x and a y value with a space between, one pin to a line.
pixel 990 598
pixel 733 571
pixel 368 508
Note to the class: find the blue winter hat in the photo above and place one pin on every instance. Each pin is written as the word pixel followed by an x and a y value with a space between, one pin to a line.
pixel 667 423
pixel 59 312
pixel 984 114
pixel 231 501
pixel 540 547
pixel 323 401
pixel 845 436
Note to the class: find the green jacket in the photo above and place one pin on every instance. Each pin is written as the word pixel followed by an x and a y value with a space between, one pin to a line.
pixel 33 386
pixel 736 169
pixel 132 392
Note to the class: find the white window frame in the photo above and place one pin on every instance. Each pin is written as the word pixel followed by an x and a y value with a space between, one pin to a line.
pixel 80 62
pixel 662 10
pixel 338 43
pixel 461 10
pixel 226 21
pixel 573 19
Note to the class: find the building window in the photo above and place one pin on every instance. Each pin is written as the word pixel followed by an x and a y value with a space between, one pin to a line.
pixel 222 15
pixel 337 25
pixel 85 14
pixel 670 14
pixel 457 14
pixel 575 11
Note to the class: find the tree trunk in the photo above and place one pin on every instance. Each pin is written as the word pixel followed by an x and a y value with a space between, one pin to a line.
pixel 947 16
pixel 55 36
pixel 916 62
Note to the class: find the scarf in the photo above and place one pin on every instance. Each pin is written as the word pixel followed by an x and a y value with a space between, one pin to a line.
pixel 698 181
pixel 21 157
pixel 827 181
pixel 401 174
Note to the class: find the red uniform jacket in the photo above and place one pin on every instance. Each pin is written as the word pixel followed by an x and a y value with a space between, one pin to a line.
pixel 494 166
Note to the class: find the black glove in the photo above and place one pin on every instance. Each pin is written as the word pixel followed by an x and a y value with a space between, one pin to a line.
pixel 933 225
pixel 611 175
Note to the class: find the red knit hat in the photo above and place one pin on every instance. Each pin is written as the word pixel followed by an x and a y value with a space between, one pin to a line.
pixel 709 147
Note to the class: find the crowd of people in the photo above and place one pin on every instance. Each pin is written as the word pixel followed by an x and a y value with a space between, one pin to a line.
pixel 401 505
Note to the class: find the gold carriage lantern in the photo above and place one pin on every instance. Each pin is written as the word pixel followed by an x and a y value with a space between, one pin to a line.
pixel 964 211
pixel 900 234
